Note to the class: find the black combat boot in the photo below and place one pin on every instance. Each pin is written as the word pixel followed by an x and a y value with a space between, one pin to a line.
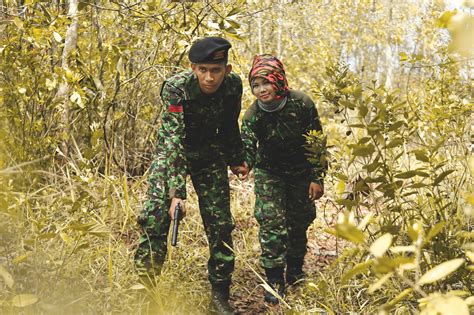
pixel 277 282
pixel 220 299
pixel 294 270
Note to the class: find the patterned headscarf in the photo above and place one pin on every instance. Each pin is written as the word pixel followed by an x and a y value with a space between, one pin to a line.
pixel 270 68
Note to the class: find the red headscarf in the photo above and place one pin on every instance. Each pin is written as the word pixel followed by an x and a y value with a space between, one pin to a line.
pixel 270 68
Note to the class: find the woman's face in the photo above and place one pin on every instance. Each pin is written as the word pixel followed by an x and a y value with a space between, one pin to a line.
pixel 263 90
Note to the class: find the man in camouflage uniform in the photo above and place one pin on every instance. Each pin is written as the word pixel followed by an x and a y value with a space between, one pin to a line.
pixel 199 136
pixel 286 184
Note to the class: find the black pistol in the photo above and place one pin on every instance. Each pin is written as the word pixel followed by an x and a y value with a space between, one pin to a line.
pixel 177 215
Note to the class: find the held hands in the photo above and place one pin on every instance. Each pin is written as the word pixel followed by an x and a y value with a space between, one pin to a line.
pixel 315 192
pixel 174 202
pixel 242 171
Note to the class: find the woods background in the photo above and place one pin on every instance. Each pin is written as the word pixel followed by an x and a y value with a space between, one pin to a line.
pixel 79 113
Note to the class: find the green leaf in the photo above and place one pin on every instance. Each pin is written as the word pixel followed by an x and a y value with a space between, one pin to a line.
pixel 346 202
pixel 363 110
pixel 381 245
pixel 407 174
pixel 347 104
pixel 396 125
pixel 357 125
pixel 234 11
pixel 363 150
pixel 441 177
pixel 441 271
pixel 23 300
pixel 394 143
pixel 378 179
pixel 373 166
pixel 421 155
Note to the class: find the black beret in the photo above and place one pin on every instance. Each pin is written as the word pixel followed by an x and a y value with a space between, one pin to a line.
pixel 209 50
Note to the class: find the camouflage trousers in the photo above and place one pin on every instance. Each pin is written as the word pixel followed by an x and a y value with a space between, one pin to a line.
pixel 284 213
pixel 212 187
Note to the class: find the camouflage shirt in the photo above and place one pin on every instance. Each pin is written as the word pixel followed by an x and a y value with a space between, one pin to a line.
pixel 275 141
pixel 198 130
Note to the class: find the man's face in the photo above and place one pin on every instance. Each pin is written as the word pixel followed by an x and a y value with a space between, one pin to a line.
pixel 210 75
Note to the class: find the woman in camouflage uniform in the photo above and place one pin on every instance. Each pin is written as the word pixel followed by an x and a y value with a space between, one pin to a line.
pixel 286 184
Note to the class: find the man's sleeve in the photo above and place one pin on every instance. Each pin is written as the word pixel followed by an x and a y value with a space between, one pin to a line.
pixel 231 133
pixel 249 138
pixel 320 165
pixel 173 138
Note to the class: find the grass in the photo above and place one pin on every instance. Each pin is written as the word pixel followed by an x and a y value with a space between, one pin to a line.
pixel 68 239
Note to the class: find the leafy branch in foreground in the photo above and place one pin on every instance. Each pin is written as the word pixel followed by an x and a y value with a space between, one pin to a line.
pixel 402 172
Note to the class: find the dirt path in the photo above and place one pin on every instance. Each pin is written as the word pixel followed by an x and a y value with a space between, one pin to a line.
pixel 323 248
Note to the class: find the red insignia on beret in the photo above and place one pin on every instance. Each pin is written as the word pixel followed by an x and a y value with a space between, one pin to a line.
pixel 220 54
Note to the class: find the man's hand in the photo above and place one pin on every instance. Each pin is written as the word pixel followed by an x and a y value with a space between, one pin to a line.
pixel 242 170
pixel 315 192
pixel 174 202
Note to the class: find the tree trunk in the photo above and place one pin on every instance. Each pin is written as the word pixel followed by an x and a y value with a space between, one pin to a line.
pixel 70 45
pixel 389 50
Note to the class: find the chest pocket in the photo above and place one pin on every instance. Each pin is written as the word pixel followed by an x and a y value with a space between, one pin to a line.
pixel 280 134
pixel 202 121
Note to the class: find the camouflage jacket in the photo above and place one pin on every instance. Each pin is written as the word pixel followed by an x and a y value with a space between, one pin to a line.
pixel 275 141
pixel 198 130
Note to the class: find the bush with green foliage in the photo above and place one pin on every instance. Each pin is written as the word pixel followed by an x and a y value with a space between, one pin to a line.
pixel 402 168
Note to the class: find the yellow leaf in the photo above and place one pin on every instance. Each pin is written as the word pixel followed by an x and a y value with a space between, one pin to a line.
pixel 76 98
pixel 377 285
pixel 57 37
pixel 137 286
pixel 340 188
pixel 381 245
pixel 442 304
pixel 7 277
pixel 441 271
pixel 470 255
pixel 398 298
pixel 19 259
pixel 357 269
pixel 22 300
pixel 66 238
pixel 470 300
pixel 471 165
pixel 363 224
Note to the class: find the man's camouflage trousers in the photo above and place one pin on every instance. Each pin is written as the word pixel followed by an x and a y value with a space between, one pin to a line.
pixel 212 187
pixel 284 213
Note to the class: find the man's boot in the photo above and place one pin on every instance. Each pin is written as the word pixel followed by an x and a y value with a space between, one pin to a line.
pixel 277 283
pixel 220 299
pixel 294 270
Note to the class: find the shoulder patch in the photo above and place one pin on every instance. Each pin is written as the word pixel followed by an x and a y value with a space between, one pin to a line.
pixel 175 108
